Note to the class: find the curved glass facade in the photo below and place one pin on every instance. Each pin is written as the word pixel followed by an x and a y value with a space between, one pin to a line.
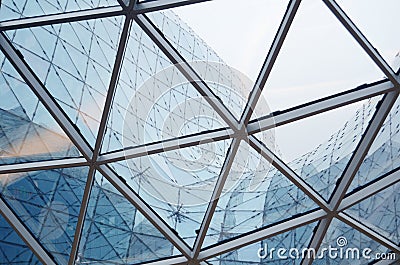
pixel 125 139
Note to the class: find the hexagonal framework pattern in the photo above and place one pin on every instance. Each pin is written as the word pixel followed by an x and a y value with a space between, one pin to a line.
pixel 66 197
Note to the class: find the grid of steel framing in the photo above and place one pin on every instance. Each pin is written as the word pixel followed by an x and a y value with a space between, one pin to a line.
pixel 135 12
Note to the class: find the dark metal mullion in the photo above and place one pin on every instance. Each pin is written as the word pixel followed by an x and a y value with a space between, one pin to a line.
pixel 269 61
pixel 19 227
pixel 99 139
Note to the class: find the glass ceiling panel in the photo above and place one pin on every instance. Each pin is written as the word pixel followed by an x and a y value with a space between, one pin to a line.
pixel 13 249
pixel 255 195
pixel 241 36
pixel 380 212
pixel 384 154
pixel 48 203
pixel 74 61
pixel 177 184
pixel 342 236
pixel 295 239
pixel 27 130
pixel 318 58
pixel 377 21
pixel 323 144
pixel 154 101
pixel 115 232
pixel 14 9
pixel 231 85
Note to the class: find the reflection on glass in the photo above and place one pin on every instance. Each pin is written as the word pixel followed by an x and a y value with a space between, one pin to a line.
pixel 115 232
pixel 259 196
pixel 265 251
pixel 74 61
pixel 48 203
pixel 14 9
pixel 13 248
pixel 27 131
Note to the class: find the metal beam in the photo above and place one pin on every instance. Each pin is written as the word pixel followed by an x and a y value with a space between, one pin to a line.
pixel 43 165
pixel 288 172
pixel 82 215
pixel 270 60
pixel 145 209
pixel 370 190
pixel 261 234
pixel 99 139
pixel 317 238
pixel 167 145
pixel 44 96
pixel 25 234
pixel 190 74
pixel 354 164
pixel 368 231
pixel 61 18
pixel 169 261
pixel 151 6
pixel 319 106
pixel 361 150
pixel 226 167
pixel 255 126
pixel 112 87
pixel 360 38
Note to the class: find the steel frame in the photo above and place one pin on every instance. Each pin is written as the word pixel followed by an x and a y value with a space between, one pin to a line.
pixel 239 130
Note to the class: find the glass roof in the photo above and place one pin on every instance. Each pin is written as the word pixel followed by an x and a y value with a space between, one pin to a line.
pixel 13 9
pixel 126 138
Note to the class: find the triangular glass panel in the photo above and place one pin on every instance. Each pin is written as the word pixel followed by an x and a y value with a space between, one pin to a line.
pixel 115 232
pixel 343 244
pixel 154 101
pixel 255 195
pixel 242 51
pixel 178 184
pixel 381 212
pixel 11 9
pixel 376 21
pixel 74 61
pixel 384 154
pixel 264 252
pixel 13 249
pixel 48 203
pixel 318 58
pixel 27 130
pixel 318 148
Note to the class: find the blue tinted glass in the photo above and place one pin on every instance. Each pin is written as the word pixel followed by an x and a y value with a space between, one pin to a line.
pixel 327 155
pixel 74 61
pixel 116 233
pixel 154 101
pixel 380 212
pixel 27 131
pixel 177 183
pixel 384 154
pixel 14 9
pixel 48 203
pixel 343 238
pixel 295 239
pixel 13 249
pixel 235 91
pixel 256 195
